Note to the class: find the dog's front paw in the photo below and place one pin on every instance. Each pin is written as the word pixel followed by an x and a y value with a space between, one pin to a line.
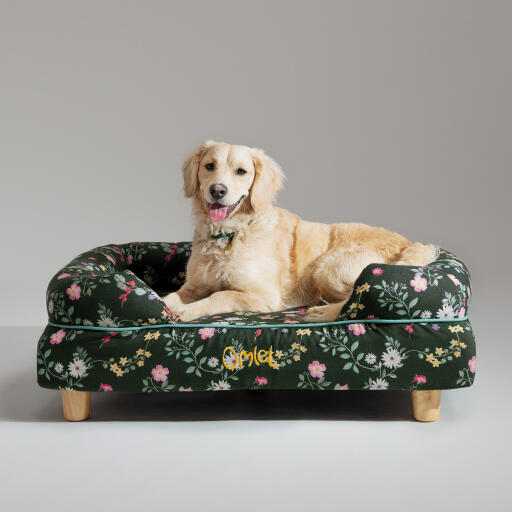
pixel 180 312
pixel 175 305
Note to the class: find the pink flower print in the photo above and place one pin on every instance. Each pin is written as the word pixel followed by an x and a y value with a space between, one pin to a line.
pixel 316 369
pixel 73 292
pixel 63 275
pixel 57 337
pixel 419 283
pixel 420 379
pixel 302 311
pixel 206 332
pixel 258 332
pixel 472 364
pixel 462 312
pixel 160 373
pixel 105 387
pixel 377 271
pixel 109 258
pixel 291 322
pixel 340 387
pixel 168 256
pixel 357 329
pixel 261 380
pixel 131 284
pixel 130 259
pixel 454 280
pixel 370 317
pixel 409 328
pixel 106 339
pixel 123 297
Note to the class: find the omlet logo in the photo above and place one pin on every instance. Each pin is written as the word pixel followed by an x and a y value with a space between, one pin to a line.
pixel 233 359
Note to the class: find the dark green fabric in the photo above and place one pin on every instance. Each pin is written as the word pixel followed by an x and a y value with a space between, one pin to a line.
pixel 438 290
pixel 371 356
pixel 114 286
pixel 121 285
pixel 118 285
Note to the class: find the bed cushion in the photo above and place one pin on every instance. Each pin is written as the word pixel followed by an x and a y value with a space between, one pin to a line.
pixel 403 328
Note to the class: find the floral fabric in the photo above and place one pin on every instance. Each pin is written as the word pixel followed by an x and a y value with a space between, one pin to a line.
pixel 355 356
pixel 439 290
pixel 119 286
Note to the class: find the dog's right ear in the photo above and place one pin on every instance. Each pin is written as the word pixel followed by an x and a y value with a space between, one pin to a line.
pixel 190 168
pixel 268 180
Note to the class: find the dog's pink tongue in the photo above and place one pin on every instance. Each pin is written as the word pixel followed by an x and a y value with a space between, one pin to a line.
pixel 217 212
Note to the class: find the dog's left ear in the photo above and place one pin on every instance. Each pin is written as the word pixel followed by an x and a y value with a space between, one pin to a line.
pixel 268 180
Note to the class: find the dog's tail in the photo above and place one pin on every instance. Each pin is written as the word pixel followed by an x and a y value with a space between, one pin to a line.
pixel 418 254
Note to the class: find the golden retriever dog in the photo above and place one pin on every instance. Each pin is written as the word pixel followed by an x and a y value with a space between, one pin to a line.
pixel 248 255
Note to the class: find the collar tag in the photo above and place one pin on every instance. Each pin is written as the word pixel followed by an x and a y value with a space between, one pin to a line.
pixel 229 236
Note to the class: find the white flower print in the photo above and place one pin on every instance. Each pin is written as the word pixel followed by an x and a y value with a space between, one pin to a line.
pixel 370 358
pixel 213 362
pixel 230 360
pixel 426 314
pixel 222 385
pixel 446 312
pixel 77 368
pixel 105 321
pixel 58 368
pixel 379 384
pixel 391 358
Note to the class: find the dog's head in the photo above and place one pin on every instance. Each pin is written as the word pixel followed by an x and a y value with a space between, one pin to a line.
pixel 225 179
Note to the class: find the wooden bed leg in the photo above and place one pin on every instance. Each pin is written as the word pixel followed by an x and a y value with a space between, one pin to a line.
pixel 75 404
pixel 426 405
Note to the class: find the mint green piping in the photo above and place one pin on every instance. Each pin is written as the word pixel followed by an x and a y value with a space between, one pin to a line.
pixel 263 326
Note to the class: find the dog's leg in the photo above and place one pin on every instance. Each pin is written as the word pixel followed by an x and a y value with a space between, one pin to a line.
pixel 418 254
pixel 334 279
pixel 185 295
pixel 226 302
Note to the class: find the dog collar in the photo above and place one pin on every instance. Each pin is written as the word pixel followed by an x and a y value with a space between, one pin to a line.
pixel 229 236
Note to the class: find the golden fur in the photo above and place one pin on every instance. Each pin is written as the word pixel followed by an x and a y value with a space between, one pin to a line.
pixel 276 260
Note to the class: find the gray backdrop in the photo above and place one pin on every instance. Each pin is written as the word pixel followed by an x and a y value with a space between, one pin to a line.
pixel 395 113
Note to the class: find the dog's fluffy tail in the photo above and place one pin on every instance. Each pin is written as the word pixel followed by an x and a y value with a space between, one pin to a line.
pixel 418 254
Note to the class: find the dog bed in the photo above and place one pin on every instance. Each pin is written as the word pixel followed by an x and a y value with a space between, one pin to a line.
pixel 403 327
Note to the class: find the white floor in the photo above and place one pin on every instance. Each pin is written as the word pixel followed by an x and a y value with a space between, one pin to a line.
pixel 250 451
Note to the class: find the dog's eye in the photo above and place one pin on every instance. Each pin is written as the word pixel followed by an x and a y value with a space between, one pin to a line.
pixel 241 171
pixel 209 166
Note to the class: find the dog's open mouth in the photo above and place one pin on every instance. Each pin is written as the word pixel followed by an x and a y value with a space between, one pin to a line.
pixel 218 212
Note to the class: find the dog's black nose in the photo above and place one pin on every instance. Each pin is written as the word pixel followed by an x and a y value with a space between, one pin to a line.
pixel 218 190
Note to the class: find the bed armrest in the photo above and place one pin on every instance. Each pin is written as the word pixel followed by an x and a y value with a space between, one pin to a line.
pixel 439 290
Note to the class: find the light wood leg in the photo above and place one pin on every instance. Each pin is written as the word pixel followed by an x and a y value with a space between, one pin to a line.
pixel 426 405
pixel 75 404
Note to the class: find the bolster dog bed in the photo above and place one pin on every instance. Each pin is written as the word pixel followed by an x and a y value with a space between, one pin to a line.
pixel 403 327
